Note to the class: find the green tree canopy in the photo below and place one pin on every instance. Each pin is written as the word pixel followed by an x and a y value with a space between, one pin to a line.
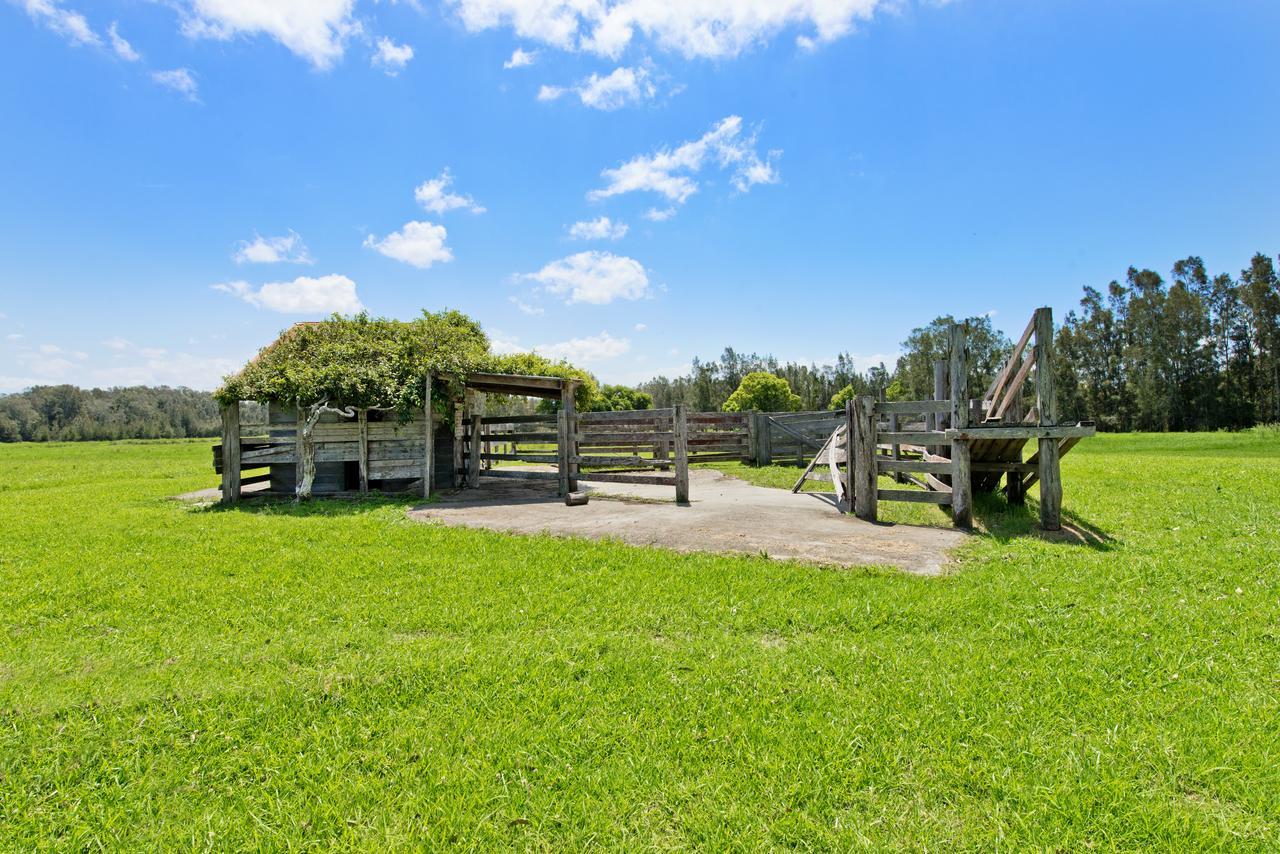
pixel 378 362
pixel 762 391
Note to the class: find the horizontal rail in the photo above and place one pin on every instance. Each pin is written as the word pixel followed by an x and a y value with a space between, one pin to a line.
pixel 913 496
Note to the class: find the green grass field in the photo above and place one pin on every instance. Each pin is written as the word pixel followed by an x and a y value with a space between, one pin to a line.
pixel 333 674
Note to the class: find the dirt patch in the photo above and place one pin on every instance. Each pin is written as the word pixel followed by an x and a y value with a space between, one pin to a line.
pixel 725 515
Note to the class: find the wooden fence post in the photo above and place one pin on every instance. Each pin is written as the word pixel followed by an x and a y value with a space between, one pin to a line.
pixel 459 434
pixel 362 418
pixel 429 451
pixel 680 427
pixel 865 480
pixel 1047 404
pixel 562 452
pixel 569 408
pixel 850 454
pixel 764 435
pixel 753 438
pixel 231 452
pixel 961 477
pixel 477 449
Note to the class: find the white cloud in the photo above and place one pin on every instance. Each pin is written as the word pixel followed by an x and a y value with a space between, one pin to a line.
pixel 418 243
pixel 434 196
pixel 287 248
pixel 597 278
pixel 693 28
pixel 391 57
pixel 641 327
pixel 619 88
pixel 598 229
pixel 121 46
pixel 584 351
pixel 521 58
pixel 659 214
pixel 304 295
pixel 316 30
pixel 180 80
pixel 14 336
pixel 668 173
pixel 117 343
pixel 69 24
pixel 526 308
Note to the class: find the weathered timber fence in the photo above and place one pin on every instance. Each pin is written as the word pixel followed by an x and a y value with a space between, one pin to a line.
pixel 954 446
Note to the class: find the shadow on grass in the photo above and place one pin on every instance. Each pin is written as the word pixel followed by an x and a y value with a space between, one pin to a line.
pixel 1003 522
pixel 282 505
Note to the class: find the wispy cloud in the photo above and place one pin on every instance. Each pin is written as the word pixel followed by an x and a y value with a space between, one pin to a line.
pixel 180 80
pixel 669 173
pixel 303 295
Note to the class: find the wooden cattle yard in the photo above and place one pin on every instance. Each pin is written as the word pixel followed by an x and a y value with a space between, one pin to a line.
pixel 938 451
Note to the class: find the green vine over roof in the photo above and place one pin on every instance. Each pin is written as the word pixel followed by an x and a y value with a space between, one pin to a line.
pixel 378 362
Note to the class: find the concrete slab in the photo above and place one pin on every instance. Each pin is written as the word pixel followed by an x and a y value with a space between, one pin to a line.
pixel 725 515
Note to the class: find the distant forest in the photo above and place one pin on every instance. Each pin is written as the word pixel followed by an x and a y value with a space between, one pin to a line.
pixel 67 413
pixel 1196 352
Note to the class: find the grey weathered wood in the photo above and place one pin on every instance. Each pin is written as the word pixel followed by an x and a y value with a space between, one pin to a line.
pixel 575 499
pixel 1047 404
pixel 913 437
pixel 299 461
pixel 562 452
pixel 961 476
pixel 1021 431
pixel 459 433
pixel 863 452
pixel 682 455
pixel 521 474
pixel 618 477
pixel 958 374
pixel 940 390
pixel 429 452
pixel 916 496
pixel 569 408
pixel 850 473
pixel 1050 486
pixel 887 466
pixel 912 407
pixel 362 417
pixel 477 440
pixel 753 438
pixel 765 457
pixel 895 449
pixel 997 384
pixel 961 486
pixel 1011 394
pixel 231 452
pixel 529 384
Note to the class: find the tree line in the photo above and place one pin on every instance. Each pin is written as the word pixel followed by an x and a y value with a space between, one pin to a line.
pixel 1198 351
pixel 68 413
pixel 1195 352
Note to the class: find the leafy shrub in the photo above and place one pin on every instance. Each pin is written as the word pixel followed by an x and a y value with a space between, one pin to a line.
pixel 378 362
pixel 762 391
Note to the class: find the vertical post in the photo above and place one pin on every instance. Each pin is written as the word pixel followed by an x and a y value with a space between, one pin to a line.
pixel 961 477
pixel 429 438
pixel 940 390
pixel 850 454
pixel 1047 404
pixel 753 438
pixel 865 478
pixel 569 408
pixel 895 451
pixel 362 417
pixel 562 452
pixel 680 427
pixel 477 444
pixel 298 464
pixel 231 452
pixel 459 436
pixel 764 432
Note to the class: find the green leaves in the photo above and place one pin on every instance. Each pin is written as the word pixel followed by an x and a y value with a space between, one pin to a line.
pixel 378 362
pixel 762 391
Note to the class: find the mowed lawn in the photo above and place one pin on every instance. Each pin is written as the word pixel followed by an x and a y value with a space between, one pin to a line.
pixel 280 676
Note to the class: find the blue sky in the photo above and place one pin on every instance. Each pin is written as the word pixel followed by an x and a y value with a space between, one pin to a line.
pixel 180 180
